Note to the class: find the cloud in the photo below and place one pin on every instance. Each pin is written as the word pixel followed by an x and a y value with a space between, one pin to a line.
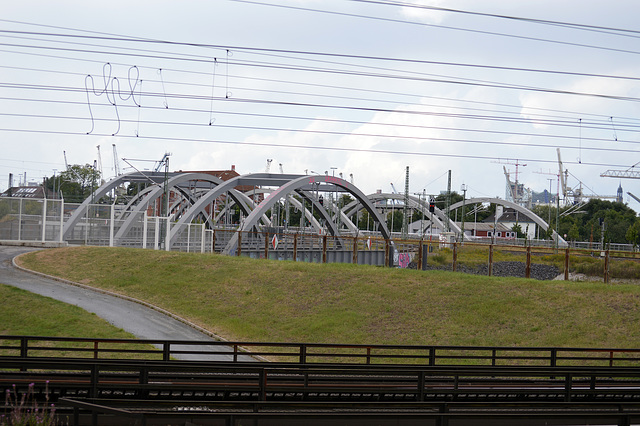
pixel 422 14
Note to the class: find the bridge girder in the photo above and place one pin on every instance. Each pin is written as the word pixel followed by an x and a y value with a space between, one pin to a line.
pixel 306 183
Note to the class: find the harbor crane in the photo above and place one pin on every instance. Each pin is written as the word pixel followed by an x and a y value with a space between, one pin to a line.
pixel 99 165
pixel 513 189
pixel 116 162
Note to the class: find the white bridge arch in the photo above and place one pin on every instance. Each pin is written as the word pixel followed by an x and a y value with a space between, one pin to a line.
pixel 194 193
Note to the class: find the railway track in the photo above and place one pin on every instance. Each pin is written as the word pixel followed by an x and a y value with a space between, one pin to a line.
pixel 96 382
pixel 156 391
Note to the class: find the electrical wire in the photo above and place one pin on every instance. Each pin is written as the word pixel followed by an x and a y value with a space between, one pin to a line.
pixel 335 65
pixel 331 132
pixel 595 28
pixel 423 24
pixel 310 147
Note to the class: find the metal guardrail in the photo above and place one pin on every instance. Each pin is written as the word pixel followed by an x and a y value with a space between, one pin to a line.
pixel 34 347
pixel 96 380
pixel 141 390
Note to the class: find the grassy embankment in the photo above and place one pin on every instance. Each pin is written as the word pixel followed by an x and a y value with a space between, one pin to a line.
pixel 263 300
pixel 27 314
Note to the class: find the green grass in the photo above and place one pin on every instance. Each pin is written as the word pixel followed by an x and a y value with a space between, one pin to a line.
pixel 27 314
pixel 265 300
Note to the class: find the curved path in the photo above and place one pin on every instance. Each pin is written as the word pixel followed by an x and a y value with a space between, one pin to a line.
pixel 139 320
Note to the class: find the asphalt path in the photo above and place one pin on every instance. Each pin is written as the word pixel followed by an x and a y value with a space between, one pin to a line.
pixel 137 319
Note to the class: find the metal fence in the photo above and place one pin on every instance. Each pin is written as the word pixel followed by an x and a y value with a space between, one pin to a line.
pixel 27 219
pixel 37 220
pixel 65 348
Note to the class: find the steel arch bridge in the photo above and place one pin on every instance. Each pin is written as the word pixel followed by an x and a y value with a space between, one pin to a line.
pixel 201 197
pixel 537 219
pixel 189 197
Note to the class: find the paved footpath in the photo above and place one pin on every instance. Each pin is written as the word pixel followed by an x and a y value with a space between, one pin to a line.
pixel 139 320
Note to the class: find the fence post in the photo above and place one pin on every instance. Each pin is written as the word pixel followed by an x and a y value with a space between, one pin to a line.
pixel 167 240
pixel 455 257
pixel 606 266
pixel 213 242
pixel 202 236
pixel 527 270
pixel 61 220
pixel 112 223
pixel 355 251
pixel 239 251
pixel 490 259
pixel 263 385
pixel 421 386
pixel 386 253
pixel 145 218
pixel 568 384
pixel 303 354
pixel 94 382
pixel 156 234
pixel 324 248
pixel 266 245
pixel 420 250
pixel 166 351
pixel 566 264
pixel 20 219
pixel 44 219
pixel 24 347
pixel 295 246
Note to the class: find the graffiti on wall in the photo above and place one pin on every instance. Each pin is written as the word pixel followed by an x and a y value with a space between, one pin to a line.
pixel 404 259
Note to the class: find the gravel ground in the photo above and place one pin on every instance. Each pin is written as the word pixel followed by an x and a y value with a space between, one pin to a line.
pixel 508 269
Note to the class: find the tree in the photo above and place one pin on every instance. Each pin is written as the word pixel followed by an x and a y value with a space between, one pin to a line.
pixel 517 228
pixel 633 234
pixel 394 220
pixel 585 224
pixel 441 202
pixel 76 183
pixel 574 232
pixel 366 222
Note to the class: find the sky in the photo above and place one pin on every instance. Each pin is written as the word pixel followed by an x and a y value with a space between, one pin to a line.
pixel 357 88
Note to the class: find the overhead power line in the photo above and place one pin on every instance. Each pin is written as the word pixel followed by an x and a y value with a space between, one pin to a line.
pixel 311 147
pixel 608 30
pixel 396 137
pixel 425 78
pixel 424 24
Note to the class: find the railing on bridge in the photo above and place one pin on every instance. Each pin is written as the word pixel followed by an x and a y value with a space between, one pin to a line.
pixel 39 347
pixel 90 377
